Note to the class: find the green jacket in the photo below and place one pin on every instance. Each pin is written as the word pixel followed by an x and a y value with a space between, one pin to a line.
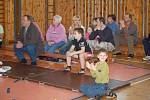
pixel 101 74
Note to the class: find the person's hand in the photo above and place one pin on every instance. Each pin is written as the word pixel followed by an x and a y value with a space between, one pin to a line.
pixel 90 66
pixel 89 30
pixel 19 44
pixel 122 24
pixel 50 43
pixel 70 30
pixel 93 67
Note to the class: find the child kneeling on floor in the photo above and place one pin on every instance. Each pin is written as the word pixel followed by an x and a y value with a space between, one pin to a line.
pixel 79 49
pixel 100 73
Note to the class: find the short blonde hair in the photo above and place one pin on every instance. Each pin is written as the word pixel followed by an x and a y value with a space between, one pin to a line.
pixel 76 18
pixel 58 18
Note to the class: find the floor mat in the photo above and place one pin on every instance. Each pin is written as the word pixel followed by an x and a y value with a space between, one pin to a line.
pixel 126 73
pixel 55 78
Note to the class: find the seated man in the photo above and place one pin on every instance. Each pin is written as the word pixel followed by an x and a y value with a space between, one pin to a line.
pixel 28 40
pixel 56 35
pixel 1 35
pixel 78 50
pixel 146 44
pixel 129 30
pixel 103 35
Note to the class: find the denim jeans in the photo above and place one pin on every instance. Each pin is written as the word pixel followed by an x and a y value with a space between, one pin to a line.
pixel 53 47
pixel 65 47
pixel 94 89
pixel 146 44
pixel 30 49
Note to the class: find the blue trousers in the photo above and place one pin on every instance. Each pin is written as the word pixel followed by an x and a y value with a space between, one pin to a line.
pixel 65 47
pixel 146 44
pixel 30 49
pixel 53 47
pixel 94 90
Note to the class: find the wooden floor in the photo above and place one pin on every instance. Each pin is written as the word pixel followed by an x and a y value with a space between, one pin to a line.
pixel 139 91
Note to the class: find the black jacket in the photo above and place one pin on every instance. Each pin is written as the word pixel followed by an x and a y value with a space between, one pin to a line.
pixel 103 35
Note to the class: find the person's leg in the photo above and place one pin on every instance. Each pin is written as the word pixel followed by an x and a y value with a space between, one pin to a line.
pixel 146 45
pixel 31 49
pixel 65 48
pixel 93 90
pixel 46 47
pixel 19 54
pixel 0 43
pixel 55 46
pixel 68 59
pixel 82 62
pixel 130 41
pixel 117 44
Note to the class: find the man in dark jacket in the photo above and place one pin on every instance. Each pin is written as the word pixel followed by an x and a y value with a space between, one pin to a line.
pixel 28 40
pixel 129 29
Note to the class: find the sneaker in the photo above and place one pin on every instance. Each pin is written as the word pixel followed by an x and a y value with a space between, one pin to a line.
pixel 23 61
pixel 2 70
pixel 67 69
pixel 147 58
pixel 130 55
pixel 91 99
pixel 82 71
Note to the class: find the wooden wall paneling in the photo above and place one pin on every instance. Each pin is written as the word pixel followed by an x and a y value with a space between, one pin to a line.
pixel 51 11
pixel 92 14
pixel 9 19
pixel 148 15
pixel 109 7
pixel 82 12
pixel 106 10
pixel 98 7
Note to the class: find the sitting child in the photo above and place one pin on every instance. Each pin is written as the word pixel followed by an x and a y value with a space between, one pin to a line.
pixel 100 72
pixel 87 34
pixel 78 49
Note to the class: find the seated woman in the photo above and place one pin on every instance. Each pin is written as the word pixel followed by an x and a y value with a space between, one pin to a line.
pixel 56 35
pixel 101 37
pixel 1 35
pixel 146 44
pixel 76 23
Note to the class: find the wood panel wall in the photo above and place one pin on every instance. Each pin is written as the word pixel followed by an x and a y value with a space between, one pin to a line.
pixel 9 19
pixel 87 9
pixel 37 9
pixel 44 10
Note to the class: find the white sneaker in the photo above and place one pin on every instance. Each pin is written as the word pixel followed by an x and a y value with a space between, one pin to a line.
pixel 147 58
pixel 2 70
pixel 90 99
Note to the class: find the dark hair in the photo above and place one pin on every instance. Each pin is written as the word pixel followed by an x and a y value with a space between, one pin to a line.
pixel 94 19
pixel 80 31
pixel 101 19
pixel 130 15
pixel 113 17
pixel 103 50
pixel 29 18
